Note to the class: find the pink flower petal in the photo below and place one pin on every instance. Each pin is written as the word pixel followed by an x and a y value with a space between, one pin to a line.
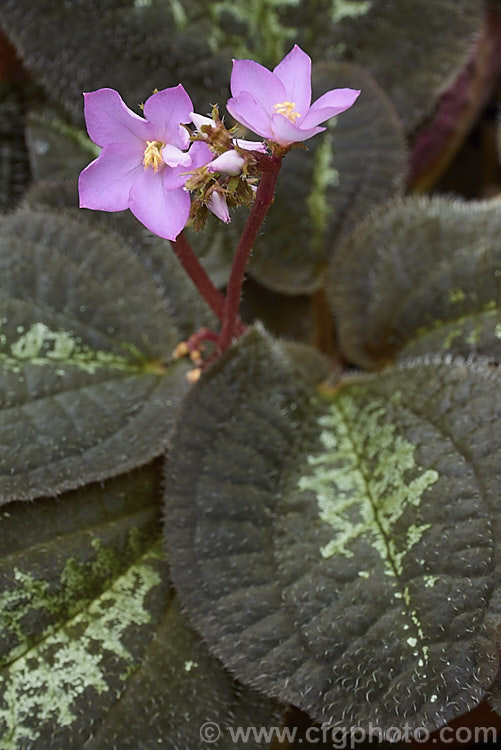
pixel 251 145
pixel 109 120
pixel 106 183
pixel 264 87
pixel 329 105
pixel 174 157
pixel 295 73
pixel 246 110
pixel 175 177
pixel 164 212
pixel 200 120
pixel 200 155
pixel 166 109
pixel 286 132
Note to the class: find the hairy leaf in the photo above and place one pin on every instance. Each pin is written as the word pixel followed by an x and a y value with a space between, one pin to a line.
pixel 495 695
pixel 307 363
pixel 72 46
pixel 187 308
pixel 422 276
pixel 131 46
pixel 357 164
pixel 262 31
pixel 94 651
pixel 413 48
pixel 57 150
pixel 337 549
pixel 87 385
pixel 14 164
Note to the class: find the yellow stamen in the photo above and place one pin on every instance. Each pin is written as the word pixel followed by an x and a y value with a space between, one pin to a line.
pixel 153 155
pixel 287 109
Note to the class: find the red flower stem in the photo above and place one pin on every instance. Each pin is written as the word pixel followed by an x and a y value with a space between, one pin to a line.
pixel 262 202
pixel 198 275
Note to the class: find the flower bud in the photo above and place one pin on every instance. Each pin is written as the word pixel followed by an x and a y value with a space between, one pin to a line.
pixel 229 163
pixel 217 204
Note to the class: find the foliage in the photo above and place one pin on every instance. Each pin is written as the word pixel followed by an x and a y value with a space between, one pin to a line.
pixel 434 285
pixel 362 533
pixel 94 648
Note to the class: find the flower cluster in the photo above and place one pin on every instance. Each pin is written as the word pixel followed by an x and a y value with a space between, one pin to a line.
pixel 163 171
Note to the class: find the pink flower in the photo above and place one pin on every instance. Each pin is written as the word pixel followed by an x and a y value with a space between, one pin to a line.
pixel 144 161
pixel 278 105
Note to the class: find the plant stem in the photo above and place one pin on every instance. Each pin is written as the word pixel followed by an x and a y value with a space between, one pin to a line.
pixel 262 202
pixel 198 275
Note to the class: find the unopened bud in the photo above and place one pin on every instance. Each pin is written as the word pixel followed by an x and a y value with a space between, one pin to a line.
pixel 217 204
pixel 196 357
pixel 181 350
pixel 229 163
pixel 194 375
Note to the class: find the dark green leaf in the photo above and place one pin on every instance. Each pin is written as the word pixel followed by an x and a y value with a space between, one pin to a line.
pixel 14 163
pixel 58 150
pixel 495 695
pixel 337 549
pixel 133 47
pixel 187 308
pixel 94 650
pixel 87 386
pixel 263 31
pixel 422 276
pixel 354 166
pixel 413 48
pixel 307 363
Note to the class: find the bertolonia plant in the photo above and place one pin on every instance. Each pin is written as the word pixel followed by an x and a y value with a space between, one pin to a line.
pixel 223 527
